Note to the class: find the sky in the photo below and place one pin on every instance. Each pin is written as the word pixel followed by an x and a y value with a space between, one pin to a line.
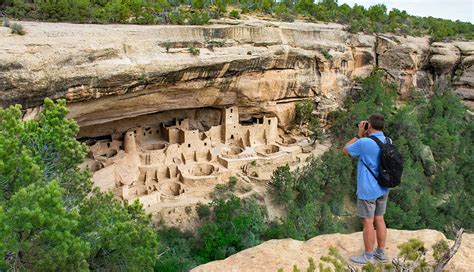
pixel 462 10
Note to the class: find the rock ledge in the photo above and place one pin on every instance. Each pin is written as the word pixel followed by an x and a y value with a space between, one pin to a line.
pixel 275 254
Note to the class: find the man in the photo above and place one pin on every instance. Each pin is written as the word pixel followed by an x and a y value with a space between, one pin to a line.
pixel 371 197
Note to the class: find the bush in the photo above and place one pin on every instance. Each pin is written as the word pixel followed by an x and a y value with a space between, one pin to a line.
pixel 232 183
pixel 175 250
pixel 17 29
pixel 188 210
pixel 326 54
pixel 283 186
pixel 167 46
pixel 234 14
pixel 314 127
pixel 439 249
pixel 198 18
pixel 203 210
pixel 303 111
pixel 237 224
pixel 224 190
pixel 194 51
pixel 212 44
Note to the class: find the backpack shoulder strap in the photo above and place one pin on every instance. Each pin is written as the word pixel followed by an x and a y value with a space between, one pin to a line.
pixel 370 170
pixel 377 140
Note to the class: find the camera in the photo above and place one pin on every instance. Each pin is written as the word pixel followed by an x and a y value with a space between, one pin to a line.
pixel 366 127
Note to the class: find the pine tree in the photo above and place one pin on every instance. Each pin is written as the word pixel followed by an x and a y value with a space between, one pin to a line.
pixel 40 232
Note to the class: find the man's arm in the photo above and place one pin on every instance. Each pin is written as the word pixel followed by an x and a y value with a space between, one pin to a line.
pixel 353 140
pixel 361 132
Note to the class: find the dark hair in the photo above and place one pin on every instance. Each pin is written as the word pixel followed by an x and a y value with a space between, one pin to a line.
pixel 377 121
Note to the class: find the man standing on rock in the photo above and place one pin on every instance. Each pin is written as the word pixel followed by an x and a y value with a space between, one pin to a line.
pixel 371 197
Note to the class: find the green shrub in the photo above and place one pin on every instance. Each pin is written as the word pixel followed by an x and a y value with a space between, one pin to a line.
pixel 167 46
pixel 176 18
pixel 439 249
pixel 175 250
pixel 188 210
pixel 198 18
pixel 234 14
pixel 314 127
pixel 203 210
pixel 212 44
pixel 17 9
pixel 287 17
pixel 303 111
pixel 232 183
pixel 283 185
pixel 194 51
pixel 17 29
pixel 237 224
pixel 221 6
pixel 326 54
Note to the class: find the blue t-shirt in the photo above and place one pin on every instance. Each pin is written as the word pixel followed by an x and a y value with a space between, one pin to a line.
pixel 367 150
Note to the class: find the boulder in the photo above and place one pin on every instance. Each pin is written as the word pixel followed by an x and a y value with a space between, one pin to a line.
pixel 427 160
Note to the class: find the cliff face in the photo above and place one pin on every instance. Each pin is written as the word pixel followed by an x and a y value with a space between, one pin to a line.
pixel 118 72
pixel 275 254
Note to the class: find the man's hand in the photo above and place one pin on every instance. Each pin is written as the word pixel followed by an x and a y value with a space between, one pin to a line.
pixel 362 131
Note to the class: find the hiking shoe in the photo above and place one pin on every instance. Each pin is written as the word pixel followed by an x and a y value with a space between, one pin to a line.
pixel 363 259
pixel 380 256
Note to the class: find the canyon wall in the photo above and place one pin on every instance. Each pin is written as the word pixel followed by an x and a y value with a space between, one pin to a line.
pixel 112 75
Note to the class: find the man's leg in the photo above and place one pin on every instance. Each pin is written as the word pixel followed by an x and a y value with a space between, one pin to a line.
pixel 381 231
pixel 366 211
pixel 369 234
pixel 381 206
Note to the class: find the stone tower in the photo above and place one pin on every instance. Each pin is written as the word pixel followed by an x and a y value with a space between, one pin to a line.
pixel 230 124
pixel 129 143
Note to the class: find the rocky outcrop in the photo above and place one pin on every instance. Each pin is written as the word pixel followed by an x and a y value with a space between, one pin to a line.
pixel 403 60
pixel 463 78
pixel 113 72
pixel 275 254
pixel 116 72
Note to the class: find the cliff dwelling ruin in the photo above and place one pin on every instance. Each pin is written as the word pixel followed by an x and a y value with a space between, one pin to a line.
pixel 172 163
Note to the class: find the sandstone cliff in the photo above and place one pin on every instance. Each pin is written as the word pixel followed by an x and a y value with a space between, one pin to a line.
pixel 113 72
pixel 275 254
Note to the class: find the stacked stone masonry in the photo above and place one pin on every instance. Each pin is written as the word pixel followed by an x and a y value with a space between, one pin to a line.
pixel 159 163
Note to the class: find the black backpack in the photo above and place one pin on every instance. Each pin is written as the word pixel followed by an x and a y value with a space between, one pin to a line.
pixel 391 164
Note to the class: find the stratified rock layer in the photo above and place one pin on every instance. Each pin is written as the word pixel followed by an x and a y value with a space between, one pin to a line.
pixel 113 72
pixel 275 254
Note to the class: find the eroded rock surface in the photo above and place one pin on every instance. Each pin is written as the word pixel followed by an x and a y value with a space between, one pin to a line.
pixel 275 254
pixel 113 72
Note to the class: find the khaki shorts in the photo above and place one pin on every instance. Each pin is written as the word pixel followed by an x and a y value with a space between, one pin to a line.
pixel 371 208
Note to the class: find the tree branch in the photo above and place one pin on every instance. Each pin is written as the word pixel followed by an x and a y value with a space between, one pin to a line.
pixel 448 255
